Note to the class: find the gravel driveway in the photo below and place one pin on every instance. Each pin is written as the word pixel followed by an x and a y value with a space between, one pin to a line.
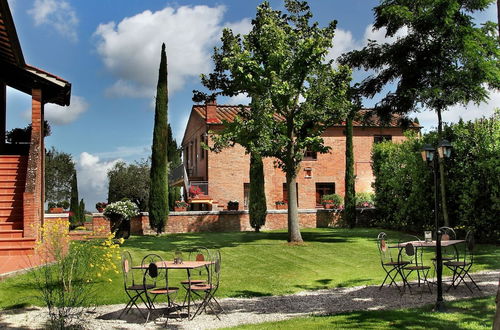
pixel 261 309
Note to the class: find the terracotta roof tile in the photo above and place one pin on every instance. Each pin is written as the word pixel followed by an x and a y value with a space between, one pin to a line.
pixel 229 112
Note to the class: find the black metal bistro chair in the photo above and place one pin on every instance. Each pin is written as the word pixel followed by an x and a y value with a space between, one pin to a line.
pixel 201 275
pixel 208 290
pixel 448 253
pixel 134 289
pixel 157 276
pixel 462 265
pixel 413 253
pixel 391 266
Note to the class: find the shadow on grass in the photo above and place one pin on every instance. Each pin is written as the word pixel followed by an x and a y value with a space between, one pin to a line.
pixel 249 294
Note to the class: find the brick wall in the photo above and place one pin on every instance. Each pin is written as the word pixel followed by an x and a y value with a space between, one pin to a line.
pixel 228 170
pixel 227 221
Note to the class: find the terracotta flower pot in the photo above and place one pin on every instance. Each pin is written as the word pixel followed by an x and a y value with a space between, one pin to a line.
pixel 180 209
pixel 56 210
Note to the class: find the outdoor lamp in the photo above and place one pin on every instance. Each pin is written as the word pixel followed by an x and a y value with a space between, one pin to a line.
pixel 444 149
pixel 428 153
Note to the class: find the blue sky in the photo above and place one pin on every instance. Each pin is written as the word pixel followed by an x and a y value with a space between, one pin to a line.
pixel 109 51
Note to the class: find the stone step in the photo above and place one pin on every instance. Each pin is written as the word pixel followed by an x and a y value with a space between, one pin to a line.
pixel 12 196
pixel 17 242
pixel 17 217
pixel 10 211
pixel 13 233
pixel 17 250
pixel 11 225
pixel 16 203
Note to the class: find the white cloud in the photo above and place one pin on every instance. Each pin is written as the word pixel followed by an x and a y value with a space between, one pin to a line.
pixel 127 152
pixel 58 14
pixel 92 178
pixel 130 50
pixel 58 115
pixel 242 27
pixel 428 119
pixel 241 98
pixel 379 35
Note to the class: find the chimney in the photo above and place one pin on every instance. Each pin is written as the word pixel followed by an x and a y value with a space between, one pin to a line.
pixel 211 107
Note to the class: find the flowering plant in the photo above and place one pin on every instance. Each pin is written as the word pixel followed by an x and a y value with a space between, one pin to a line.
pixel 123 209
pixel 194 191
pixel 336 200
pixel 181 204
pixel 280 203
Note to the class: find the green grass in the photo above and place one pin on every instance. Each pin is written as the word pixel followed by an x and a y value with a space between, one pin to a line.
pixel 466 314
pixel 260 264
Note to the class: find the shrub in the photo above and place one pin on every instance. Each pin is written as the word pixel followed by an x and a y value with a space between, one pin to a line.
pixel 364 199
pixel 122 209
pixel 334 199
pixel 181 204
pixel 67 284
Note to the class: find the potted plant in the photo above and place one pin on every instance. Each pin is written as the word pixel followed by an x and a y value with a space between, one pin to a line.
pixel 364 200
pixel 332 201
pixel 281 205
pixel 180 206
pixel 58 207
pixel 233 205
pixel 100 206
pixel 119 214
pixel 194 191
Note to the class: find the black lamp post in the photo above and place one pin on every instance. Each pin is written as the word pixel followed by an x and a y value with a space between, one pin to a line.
pixel 430 155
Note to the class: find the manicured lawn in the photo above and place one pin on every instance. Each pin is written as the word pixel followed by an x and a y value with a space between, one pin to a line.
pixel 260 264
pixel 466 314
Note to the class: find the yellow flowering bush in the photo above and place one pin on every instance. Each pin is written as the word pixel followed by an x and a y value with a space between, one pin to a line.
pixel 67 282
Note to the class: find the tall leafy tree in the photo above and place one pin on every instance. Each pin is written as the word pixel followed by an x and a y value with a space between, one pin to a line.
pixel 81 209
pixel 158 196
pixel 74 206
pixel 443 60
pixel 59 170
pixel 296 94
pixel 349 182
pixel 130 181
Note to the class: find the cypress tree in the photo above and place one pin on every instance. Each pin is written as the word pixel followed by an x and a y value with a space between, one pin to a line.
pixel 158 195
pixel 174 159
pixel 257 197
pixel 74 207
pixel 350 190
pixel 81 209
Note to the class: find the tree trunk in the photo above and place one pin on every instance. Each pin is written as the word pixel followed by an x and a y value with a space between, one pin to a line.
pixel 496 320
pixel 441 173
pixel 293 210
pixel 350 189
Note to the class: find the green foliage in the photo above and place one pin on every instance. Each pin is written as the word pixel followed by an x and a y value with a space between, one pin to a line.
pixel 334 199
pixel 59 170
pixel 349 215
pixel 23 135
pixel 365 199
pixel 81 209
pixel 131 181
pixel 473 176
pixel 282 59
pixel 257 197
pixel 158 195
pixel 74 208
pixel 443 60
pixel 404 184
pixel 174 159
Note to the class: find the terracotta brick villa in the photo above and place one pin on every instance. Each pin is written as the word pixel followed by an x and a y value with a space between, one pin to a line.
pixel 22 165
pixel 224 176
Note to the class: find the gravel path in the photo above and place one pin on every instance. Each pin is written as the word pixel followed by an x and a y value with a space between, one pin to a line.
pixel 262 309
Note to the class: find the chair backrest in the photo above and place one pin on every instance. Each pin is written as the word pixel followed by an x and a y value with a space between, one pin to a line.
pixel 128 274
pixel 215 268
pixel 199 254
pixel 383 248
pixel 152 273
pixel 447 234
pixel 409 251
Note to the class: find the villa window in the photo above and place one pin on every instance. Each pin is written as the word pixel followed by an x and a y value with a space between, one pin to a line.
pixel 381 138
pixel 202 151
pixel 246 195
pixel 323 188
pixel 285 193
pixel 310 155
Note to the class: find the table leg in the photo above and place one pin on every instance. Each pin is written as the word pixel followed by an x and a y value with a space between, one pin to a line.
pixel 189 293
